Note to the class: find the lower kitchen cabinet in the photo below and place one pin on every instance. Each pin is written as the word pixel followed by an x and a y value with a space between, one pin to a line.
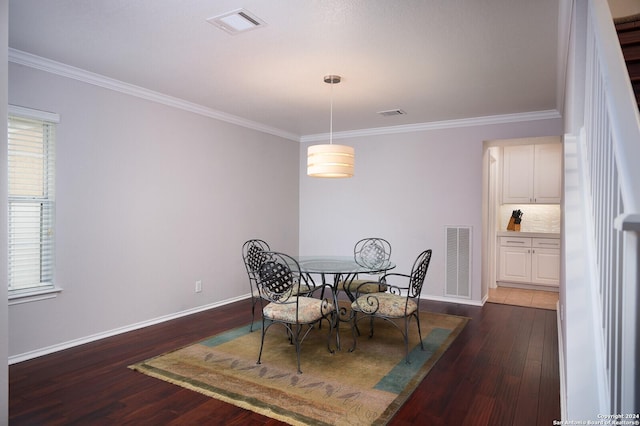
pixel 529 261
pixel 515 264
pixel 545 266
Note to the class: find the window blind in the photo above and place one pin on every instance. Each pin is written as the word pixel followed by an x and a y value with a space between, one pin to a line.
pixel 31 203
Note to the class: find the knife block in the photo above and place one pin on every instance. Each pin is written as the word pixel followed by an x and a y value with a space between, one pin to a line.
pixel 512 224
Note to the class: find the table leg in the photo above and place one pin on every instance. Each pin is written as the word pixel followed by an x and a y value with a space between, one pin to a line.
pixel 343 314
pixel 335 324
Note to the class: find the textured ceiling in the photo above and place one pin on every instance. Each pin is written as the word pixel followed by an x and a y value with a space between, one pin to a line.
pixel 435 59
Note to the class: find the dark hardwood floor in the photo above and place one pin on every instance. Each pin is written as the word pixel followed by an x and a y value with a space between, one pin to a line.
pixel 501 370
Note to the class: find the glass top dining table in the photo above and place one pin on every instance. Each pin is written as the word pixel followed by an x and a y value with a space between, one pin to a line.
pixel 342 268
pixel 341 265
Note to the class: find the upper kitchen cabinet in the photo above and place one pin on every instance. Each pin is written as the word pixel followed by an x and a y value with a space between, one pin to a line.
pixel 532 174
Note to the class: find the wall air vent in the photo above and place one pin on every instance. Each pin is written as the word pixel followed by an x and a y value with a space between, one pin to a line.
pixel 458 261
pixel 237 21
pixel 391 112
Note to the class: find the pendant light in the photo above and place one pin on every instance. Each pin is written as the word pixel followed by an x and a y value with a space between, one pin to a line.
pixel 329 160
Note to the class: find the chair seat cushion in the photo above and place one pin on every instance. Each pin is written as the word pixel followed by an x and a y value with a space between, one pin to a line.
pixel 385 304
pixel 310 310
pixel 301 289
pixel 366 288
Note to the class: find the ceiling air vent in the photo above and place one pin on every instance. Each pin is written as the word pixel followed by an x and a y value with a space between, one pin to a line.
pixel 391 112
pixel 237 21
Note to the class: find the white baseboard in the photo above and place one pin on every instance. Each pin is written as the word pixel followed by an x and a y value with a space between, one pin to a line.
pixel 14 359
pixel 561 359
pixel 453 300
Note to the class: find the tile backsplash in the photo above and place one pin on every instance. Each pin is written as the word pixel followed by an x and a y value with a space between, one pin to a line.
pixel 536 217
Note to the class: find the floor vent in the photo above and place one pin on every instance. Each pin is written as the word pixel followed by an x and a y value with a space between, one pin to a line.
pixel 458 261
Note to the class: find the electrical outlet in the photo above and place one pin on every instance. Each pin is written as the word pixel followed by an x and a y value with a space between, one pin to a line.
pixel 198 286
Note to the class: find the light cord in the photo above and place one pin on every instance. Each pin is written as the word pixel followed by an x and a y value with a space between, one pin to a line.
pixel 331 117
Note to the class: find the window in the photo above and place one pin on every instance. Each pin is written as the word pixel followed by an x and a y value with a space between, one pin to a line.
pixel 31 203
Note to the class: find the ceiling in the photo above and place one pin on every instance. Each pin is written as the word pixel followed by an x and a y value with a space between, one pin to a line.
pixel 435 59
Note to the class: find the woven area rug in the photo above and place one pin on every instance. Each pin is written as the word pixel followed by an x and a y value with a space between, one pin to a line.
pixel 363 387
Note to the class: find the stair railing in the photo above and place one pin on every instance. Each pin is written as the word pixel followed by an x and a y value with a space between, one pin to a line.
pixel 612 174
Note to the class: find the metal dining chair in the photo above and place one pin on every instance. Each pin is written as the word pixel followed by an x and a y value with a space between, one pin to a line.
pixel 397 303
pixel 279 279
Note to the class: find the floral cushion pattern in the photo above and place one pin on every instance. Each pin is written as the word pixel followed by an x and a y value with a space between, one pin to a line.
pixel 301 289
pixel 309 310
pixel 366 288
pixel 385 304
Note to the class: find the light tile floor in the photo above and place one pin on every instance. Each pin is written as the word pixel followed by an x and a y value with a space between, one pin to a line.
pixel 522 297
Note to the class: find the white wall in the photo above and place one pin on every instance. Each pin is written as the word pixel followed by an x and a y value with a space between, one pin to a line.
pixel 583 383
pixel 150 199
pixel 4 327
pixel 407 187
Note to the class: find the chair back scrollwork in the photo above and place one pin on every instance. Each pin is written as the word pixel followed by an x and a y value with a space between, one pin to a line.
pixel 253 254
pixel 418 273
pixel 372 252
pixel 279 278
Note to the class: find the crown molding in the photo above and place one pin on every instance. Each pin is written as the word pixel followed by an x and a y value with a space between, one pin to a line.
pixel 437 125
pixel 37 62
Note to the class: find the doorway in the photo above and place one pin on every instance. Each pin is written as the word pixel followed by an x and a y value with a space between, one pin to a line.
pixel 543 220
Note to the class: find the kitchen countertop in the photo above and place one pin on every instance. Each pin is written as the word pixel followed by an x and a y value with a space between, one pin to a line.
pixel 528 234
